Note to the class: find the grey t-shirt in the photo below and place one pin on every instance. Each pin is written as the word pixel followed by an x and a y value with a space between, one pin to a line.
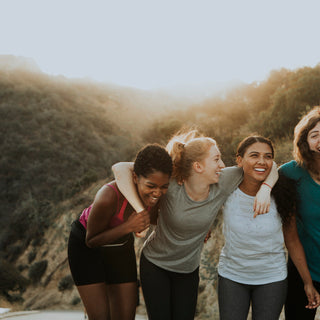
pixel 183 224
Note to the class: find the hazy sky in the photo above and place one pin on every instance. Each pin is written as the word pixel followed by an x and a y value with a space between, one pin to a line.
pixel 149 44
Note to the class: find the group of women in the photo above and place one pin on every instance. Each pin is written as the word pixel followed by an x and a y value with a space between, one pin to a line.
pixel 252 266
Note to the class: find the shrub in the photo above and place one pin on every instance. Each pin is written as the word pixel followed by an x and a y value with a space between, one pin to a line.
pixel 14 251
pixel 37 242
pixel 66 283
pixel 10 278
pixel 32 255
pixel 37 270
pixel 22 267
pixel 75 301
pixel 15 298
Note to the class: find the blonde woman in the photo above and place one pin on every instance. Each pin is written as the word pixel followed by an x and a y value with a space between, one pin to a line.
pixel 169 265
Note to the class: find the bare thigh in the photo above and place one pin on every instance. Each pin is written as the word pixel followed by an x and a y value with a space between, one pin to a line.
pixel 123 299
pixel 95 300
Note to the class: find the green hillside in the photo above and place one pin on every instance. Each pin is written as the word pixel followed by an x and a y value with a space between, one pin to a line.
pixel 56 138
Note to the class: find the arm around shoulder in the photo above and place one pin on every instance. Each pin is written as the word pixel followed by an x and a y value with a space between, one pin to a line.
pixel 123 174
pixel 262 199
pixel 273 176
pixel 230 178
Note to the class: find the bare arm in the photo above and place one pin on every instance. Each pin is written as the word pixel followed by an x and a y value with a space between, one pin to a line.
pixel 104 206
pixel 123 174
pixel 297 255
pixel 262 199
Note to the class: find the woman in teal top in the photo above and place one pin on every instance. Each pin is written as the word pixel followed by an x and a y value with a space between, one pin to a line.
pixel 306 171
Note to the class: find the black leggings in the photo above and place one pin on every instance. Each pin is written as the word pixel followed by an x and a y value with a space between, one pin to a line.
pixel 168 295
pixel 296 298
pixel 267 300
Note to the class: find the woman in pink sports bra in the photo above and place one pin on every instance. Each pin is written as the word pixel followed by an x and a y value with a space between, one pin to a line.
pixel 101 243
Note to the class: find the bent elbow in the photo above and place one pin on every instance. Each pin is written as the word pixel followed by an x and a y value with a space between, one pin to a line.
pixel 90 243
pixel 116 167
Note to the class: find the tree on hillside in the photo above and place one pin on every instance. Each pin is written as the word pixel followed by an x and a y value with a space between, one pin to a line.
pixel 300 91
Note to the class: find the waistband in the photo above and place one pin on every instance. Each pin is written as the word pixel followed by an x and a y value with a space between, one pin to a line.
pixel 80 232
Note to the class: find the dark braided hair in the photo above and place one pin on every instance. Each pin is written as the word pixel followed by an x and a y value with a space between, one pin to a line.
pixel 151 158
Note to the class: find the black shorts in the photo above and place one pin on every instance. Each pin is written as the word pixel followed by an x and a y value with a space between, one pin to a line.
pixel 115 264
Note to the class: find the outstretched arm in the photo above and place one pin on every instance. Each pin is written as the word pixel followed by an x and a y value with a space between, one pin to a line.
pixel 298 257
pixel 262 199
pixel 123 174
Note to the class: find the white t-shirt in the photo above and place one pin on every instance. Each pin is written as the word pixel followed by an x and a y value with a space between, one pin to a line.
pixel 254 247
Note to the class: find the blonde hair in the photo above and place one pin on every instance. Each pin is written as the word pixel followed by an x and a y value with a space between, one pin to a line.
pixel 301 150
pixel 185 148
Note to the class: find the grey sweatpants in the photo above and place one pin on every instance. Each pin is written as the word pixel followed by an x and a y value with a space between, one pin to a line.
pixel 234 300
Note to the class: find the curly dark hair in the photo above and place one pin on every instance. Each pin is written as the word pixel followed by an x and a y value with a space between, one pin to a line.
pixel 151 158
pixel 286 197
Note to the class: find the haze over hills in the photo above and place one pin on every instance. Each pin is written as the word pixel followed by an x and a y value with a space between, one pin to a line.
pixel 176 96
pixel 198 92
pixel 10 62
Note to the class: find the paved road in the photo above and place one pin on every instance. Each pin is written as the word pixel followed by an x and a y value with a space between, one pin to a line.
pixel 49 315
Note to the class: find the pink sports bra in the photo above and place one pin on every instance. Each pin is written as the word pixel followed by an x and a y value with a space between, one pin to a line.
pixel 116 220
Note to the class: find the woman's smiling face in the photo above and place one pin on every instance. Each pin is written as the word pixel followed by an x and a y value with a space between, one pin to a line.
pixel 313 139
pixel 256 162
pixel 213 164
pixel 152 187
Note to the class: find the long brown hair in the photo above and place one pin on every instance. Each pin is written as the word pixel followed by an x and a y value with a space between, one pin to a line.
pixel 301 150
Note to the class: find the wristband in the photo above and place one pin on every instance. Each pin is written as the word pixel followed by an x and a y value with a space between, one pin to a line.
pixel 267 185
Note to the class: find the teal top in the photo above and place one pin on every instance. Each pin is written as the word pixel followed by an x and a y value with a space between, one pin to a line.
pixel 308 218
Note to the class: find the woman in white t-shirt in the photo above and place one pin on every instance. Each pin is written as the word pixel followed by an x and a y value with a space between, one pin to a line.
pixel 252 266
